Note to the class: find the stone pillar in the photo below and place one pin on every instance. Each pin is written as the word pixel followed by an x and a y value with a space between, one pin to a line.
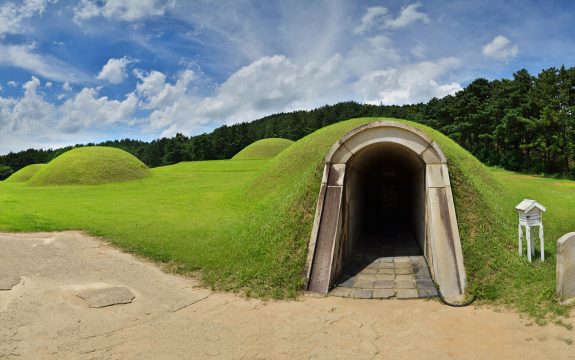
pixel 566 268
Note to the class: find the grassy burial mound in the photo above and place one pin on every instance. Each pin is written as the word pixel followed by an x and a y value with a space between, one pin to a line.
pixel 244 225
pixel 26 173
pixel 263 149
pixel 90 166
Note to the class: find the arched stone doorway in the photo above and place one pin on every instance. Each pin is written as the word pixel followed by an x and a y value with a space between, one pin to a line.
pixel 386 184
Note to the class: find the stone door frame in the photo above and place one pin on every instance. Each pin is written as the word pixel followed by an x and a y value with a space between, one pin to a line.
pixel 442 242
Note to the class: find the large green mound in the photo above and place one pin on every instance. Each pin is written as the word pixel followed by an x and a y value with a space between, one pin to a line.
pixel 26 173
pixel 287 191
pixel 90 166
pixel 263 149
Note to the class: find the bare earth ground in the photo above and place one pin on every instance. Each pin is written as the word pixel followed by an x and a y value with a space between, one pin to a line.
pixel 170 318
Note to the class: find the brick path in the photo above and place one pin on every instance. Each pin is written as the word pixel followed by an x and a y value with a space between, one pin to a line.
pixel 396 270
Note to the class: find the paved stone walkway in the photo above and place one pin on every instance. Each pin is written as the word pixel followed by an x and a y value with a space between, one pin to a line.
pixel 395 270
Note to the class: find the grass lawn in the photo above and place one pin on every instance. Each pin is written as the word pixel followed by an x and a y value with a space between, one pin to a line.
pixel 263 149
pixel 245 224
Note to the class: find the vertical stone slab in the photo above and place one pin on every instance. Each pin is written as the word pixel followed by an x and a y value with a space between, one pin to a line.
pixel 321 272
pixel 444 240
pixel 565 289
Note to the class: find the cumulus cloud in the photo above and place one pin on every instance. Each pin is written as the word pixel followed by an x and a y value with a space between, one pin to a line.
pixel 270 84
pixel 86 110
pixel 407 84
pixel 500 48
pixel 32 115
pixel 29 114
pixel 157 93
pixel 126 10
pixel 378 17
pixel 114 71
pixel 12 15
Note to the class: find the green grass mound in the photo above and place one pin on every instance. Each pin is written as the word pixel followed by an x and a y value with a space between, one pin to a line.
pixel 286 194
pixel 90 166
pixel 244 225
pixel 25 173
pixel 263 149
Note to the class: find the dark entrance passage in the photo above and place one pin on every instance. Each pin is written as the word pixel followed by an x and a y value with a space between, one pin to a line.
pixel 386 213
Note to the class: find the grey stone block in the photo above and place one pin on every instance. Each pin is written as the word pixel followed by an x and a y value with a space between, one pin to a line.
pixel 341 292
pixel 404 278
pixel 363 284
pixel 383 293
pixel 404 271
pixel 347 283
pixel 565 268
pixel 406 294
pixel 385 272
pixel 427 291
pixel 97 298
pixel 385 277
pixel 404 285
pixel 369 271
pixel 361 294
pixel 384 284
pixel 362 276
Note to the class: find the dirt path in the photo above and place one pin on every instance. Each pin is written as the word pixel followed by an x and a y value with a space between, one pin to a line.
pixel 170 318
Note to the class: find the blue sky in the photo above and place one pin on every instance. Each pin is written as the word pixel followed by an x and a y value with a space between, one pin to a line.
pixel 92 70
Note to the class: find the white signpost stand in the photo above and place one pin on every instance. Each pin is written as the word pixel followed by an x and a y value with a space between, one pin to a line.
pixel 530 214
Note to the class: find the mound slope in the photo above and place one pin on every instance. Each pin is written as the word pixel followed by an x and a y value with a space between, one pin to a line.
pixel 26 173
pixel 90 166
pixel 286 193
pixel 263 149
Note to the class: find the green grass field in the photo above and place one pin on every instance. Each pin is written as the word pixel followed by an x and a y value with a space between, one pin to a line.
pixel 243 225
pixel 263 149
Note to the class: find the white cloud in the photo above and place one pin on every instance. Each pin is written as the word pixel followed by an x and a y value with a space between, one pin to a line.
pixel 500 48
pixel 12 15
pixel 126 10
pixel 24 57
pixel 30 114
pixel 408 15
pixel 156 93
pixel 32 120
pixel 408 84
pixel 270 84
pixel 114 71
pixel 48 84
pixel 86 110
pixel 12 83
pixel 378 17
pixel 373 17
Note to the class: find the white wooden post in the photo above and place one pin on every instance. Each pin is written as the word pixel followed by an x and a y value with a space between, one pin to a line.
pixel 520 231
pixel 541 246
pixel 528 238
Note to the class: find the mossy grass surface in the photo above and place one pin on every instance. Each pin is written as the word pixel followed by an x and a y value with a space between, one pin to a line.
pixel 263 149
pixel 244 225
pixel 91 165
pixel 25 173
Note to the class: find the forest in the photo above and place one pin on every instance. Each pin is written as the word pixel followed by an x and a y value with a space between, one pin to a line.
pixel 525 124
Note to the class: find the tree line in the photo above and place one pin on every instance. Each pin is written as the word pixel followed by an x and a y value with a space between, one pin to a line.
pixel 524 124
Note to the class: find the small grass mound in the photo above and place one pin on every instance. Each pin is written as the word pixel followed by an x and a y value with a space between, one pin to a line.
pixel 263 149
pixel 90 166
pixel 26 173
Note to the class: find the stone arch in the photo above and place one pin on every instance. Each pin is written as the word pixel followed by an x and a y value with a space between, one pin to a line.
pixel 332 237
